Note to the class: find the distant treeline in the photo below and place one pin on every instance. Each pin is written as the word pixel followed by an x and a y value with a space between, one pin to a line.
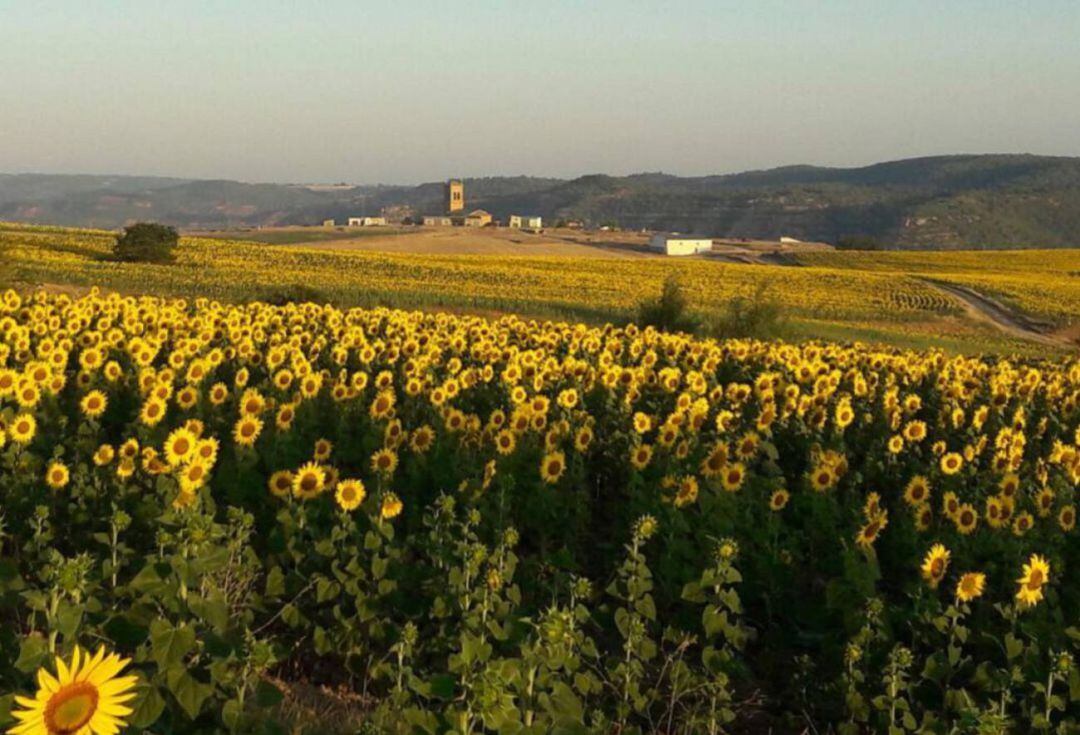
pixel 986 201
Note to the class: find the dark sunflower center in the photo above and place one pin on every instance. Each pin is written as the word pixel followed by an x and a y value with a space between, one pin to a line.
pixel 70 708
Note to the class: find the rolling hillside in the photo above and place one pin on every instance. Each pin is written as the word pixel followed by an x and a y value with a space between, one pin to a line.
pixel 980 201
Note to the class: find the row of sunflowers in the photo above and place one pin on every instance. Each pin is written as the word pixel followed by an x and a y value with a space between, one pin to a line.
pixel 842 296
pixel 456 524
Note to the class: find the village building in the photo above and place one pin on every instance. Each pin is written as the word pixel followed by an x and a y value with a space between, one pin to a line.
pixel 477 218
pixel 675 244
pixel 521 222
pixel 454 210
pixel 367 221
pixel 328 223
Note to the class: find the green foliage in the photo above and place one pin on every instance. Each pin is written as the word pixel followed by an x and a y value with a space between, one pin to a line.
pixel 146 242
pixel 858 242
pixel 759 316
pixel 499 603
pixel 669 311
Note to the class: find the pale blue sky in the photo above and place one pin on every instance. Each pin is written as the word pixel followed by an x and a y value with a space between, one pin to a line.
pixel 401 91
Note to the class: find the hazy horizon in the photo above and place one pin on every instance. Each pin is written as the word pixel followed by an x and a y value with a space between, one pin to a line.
pixel 420 91
pixel 570 177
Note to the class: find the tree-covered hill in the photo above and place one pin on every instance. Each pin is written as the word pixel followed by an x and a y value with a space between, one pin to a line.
pixel 938 202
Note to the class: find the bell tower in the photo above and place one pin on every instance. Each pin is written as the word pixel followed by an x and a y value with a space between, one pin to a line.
pixel 455 196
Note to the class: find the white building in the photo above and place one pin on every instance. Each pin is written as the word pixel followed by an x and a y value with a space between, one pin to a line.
pixel 367 221
pixel 790 241
pixel 524 222
pixel 680 244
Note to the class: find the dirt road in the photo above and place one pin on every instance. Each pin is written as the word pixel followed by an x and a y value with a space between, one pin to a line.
pixel 987 309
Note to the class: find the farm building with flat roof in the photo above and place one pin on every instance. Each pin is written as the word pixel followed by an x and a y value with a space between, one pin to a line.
pixel 675 244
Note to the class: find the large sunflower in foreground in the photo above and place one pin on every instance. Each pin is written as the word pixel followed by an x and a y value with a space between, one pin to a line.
pixel 85 698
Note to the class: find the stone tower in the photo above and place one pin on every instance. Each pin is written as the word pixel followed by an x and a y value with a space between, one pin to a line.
pixel 455 196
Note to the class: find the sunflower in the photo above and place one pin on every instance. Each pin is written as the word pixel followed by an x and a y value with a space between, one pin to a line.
pixel 104 455
pixel 179 446
pixel 218 393
pixel 645 527
pixel 822 478
pixel 323 447
pixel 1067 518
pixel 951 463
pixel 779 500
pixel 915 431
pixel 552 467
pixel 350 494
pixel 642 422
pixel 247 430
pixel 57 475
pixel 872 505
pixel 950 505
pixel 152 412
pixel 935 564
pixel 1044 501
pixel 384 461
pixel 206 451
pixel 505 442
pixel 568 398
pixel 383 405
pixel 281 483
pixel 309 481
pixel 193 477
pixel 1009 485
pixel 125 469
pixel 1036 575
pixel 970 586
pixel 732 477
pixel 23 428
pixel 583 439
pixel 869 532
pixel 252 403
pixel 1022 523
pixel 966 518
pixel 421 439
pixel 187 398
pixel 285 415
pixel 687 492
pixel 391 506
pixel 85 698
pixel 917 491
pixel 640 456
pixel 93 404
pixel 995 512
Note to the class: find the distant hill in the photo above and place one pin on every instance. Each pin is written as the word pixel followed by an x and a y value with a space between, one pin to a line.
pixel 940 202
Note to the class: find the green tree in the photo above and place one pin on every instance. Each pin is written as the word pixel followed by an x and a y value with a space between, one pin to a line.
pixel 146 242
pixel 858 242
pixel 668 312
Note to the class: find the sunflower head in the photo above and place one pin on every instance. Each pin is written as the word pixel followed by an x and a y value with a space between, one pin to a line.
pixel 86 697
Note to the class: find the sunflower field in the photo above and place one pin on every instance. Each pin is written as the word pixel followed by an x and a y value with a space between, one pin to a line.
pixel 219 518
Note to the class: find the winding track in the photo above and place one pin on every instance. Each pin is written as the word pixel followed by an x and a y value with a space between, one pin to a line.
pixel 986 309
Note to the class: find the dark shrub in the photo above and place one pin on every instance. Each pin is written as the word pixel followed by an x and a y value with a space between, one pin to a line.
pixel 760 316
pixel 146 242
pixel 669 311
